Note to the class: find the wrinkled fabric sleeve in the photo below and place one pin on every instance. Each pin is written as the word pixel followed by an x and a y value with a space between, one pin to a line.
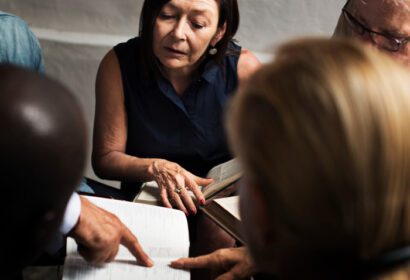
pixel 18 44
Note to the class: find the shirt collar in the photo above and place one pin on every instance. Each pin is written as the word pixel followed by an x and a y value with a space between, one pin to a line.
pixel 210 71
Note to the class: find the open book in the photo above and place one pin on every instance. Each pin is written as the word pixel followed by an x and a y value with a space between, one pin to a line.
pixel 162 232
pixel 224 175
pixel 225 212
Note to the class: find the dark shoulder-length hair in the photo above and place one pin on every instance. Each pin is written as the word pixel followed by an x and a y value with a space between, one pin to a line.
pixel 228 13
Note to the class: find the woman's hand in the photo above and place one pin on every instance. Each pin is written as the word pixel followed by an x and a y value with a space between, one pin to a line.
pixel 234 263
pixel 174 183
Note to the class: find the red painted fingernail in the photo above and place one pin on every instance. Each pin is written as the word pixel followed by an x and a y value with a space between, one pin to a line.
pixel 202 201
pixel 186 214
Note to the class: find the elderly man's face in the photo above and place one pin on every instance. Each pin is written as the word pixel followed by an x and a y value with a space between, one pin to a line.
pixel 389 17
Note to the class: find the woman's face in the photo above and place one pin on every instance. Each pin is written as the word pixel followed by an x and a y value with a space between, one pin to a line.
pixel 183 31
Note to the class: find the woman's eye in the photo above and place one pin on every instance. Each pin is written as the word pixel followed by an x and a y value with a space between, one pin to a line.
pixel 197 25
pixel 166 16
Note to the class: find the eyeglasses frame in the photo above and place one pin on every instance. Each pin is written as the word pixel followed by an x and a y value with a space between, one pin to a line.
pixel 399 42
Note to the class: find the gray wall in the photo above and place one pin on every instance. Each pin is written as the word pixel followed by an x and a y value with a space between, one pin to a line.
pixel 75 34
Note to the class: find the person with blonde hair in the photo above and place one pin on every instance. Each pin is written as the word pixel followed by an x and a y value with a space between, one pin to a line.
pixel 323 137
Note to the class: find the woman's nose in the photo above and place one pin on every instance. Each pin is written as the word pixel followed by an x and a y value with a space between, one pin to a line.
pixel 179 31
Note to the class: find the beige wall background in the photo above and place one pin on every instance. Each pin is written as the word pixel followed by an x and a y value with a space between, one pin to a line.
pixel 75 34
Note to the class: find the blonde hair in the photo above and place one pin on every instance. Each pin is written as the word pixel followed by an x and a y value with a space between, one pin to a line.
pixel 324 134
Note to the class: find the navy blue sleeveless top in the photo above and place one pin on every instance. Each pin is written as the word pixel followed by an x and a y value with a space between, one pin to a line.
pixel 188 130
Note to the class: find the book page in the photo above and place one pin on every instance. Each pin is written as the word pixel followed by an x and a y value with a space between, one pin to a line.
pixel 225 212
pixel 224 175
pixel 225 170
pixel 230 204
pixel 76 269
pixel 162 232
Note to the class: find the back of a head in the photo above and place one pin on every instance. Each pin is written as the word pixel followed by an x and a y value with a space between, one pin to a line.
pixel 323 133
pixel 42 151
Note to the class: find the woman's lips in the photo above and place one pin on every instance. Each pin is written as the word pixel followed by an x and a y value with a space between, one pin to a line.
pixel 174 51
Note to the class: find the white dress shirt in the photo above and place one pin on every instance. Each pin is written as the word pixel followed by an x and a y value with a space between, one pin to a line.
pixel 72 214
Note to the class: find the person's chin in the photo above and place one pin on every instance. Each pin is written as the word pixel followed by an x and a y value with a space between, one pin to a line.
pixel 173 63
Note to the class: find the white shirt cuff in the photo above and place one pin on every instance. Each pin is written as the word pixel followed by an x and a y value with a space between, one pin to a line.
pixel 72 214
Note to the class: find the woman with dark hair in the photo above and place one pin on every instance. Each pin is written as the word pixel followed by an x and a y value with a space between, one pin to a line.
pixel 160 99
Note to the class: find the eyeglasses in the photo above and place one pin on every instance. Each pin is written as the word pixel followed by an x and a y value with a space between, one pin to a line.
pixel 382 40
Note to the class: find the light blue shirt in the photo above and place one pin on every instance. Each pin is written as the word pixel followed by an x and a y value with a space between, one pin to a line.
pixel 18 44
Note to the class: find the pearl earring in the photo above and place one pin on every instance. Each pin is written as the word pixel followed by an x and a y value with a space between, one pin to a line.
pixel 213 51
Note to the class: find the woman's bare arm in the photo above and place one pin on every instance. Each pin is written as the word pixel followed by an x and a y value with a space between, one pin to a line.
pixel 110 128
